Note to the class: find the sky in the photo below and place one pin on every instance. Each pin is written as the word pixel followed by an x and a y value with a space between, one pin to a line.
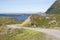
pixel 25 6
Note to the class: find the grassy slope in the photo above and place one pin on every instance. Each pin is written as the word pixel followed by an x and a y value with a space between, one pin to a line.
pixel 55 8
pixel 8 20
pixel 55 12
pixel 41 21
pixel 22 34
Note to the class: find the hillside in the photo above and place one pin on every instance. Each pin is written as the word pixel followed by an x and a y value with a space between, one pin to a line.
pixel 7 20
pixel 55 8
pixel 45 22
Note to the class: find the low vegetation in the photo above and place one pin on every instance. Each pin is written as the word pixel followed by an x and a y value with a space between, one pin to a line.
pixel 7 20
pixel 51 21
pixel 22 34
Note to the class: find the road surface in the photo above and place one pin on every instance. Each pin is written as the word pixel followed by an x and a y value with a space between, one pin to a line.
pixel 53 32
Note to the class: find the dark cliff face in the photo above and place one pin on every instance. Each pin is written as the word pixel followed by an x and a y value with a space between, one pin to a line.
pixel 55 8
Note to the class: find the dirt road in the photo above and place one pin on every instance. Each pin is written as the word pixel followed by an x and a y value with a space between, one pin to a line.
pixel 55 34
pixel 52 32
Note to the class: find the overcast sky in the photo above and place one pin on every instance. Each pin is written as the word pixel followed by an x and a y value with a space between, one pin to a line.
pixel 24 6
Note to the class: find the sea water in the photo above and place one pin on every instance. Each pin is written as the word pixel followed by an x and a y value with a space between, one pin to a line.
pixel 17 16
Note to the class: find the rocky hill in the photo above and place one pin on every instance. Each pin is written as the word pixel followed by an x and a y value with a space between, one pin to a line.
pixel 55 8
pixel 47 22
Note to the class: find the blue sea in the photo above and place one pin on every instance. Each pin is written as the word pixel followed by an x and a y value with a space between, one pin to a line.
pixel 17 16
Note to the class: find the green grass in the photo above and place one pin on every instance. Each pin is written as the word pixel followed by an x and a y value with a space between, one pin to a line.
pixel 23 34
pixel 8 20
pixel 41 21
